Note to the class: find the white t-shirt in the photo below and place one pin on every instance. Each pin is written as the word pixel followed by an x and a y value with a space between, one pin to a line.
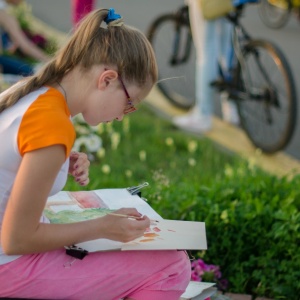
pixel 38 120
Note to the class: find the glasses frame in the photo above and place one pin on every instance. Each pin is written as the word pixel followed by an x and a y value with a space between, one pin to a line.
pixel 129 107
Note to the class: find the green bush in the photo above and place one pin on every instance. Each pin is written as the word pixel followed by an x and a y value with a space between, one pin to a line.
pixel 252 218
pixel 252 224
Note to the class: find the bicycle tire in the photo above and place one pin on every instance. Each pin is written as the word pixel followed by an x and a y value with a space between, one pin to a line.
pixel 270 120
pixel 273 16
pixel 176 82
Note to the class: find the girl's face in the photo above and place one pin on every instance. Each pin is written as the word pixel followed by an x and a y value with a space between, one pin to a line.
pixel 114 102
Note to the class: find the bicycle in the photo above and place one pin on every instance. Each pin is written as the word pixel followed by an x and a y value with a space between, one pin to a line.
pixel 261 84
pixel 276 13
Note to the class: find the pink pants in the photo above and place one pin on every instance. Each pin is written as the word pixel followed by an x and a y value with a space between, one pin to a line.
pixel 80 8
pixel 144 275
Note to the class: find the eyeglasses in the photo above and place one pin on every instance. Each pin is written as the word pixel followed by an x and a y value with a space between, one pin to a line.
pixel 129 107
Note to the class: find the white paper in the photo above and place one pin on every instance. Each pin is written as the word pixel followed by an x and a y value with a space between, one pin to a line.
pixel 58 208
pixel 66 207
pixel 199 290
pixel 100 244
pixel 117 198
pixel 60 197
pixel 173 234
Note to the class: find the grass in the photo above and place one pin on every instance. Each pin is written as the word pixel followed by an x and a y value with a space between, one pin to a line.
pixel 192 178
pixel 151 149
pixel 177 165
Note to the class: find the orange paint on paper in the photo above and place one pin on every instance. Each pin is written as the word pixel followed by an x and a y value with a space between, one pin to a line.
pixel 146 240
pixel 150 234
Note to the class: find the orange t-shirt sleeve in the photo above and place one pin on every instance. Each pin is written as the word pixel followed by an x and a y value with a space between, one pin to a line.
pixel 46 123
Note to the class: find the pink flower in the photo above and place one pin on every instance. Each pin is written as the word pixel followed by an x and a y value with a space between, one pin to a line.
pixel 202 270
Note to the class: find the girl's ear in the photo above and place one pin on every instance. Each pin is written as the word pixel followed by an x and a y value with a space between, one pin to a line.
pixel 106 78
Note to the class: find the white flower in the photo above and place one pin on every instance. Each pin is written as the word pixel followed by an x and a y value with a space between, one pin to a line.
pixel 128 173
pixel 105 169
pixel 192 162
pixel 101 153
pixel 192 146
pixel 169 141
pixel 115 140
pixel 79 142
pixel 224 216
pixel 100 128
pixel 143 155
pixel 228 171
pixel 78 119
pixel 126 125
pixel 81 130
pixel 94 128
pixel 251 163
pixel 109 127
pixel 93 142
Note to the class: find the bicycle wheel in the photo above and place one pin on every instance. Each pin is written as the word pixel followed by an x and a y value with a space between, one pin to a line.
pixel 274 13
pixel 268 106
pixel 170 36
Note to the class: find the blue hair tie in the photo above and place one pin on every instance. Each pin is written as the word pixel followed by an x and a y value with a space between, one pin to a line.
pixel 111 16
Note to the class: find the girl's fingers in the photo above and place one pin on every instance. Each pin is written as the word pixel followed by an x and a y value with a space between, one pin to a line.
pixel 84 182
pixel 83 179
pixel 79 167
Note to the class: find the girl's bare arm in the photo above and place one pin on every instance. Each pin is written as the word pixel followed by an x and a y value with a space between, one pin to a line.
pixel 22 232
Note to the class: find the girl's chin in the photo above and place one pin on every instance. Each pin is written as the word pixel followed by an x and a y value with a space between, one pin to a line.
pixel 93 122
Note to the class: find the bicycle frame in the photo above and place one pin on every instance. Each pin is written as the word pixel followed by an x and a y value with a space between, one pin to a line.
pixel 176 58
pixel 240 39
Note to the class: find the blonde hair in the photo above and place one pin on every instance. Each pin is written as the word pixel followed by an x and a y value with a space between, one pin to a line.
pixel 92 44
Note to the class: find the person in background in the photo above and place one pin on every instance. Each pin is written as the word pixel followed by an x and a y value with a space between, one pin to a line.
pixel 80 8
pixel 18 39
pixel 103 73
pixel 212 39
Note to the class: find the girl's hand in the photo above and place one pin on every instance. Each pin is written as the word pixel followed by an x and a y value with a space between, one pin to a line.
pixel 79 167
pixel 124 229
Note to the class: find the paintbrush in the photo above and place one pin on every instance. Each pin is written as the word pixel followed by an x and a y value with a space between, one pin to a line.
pixel 129 217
